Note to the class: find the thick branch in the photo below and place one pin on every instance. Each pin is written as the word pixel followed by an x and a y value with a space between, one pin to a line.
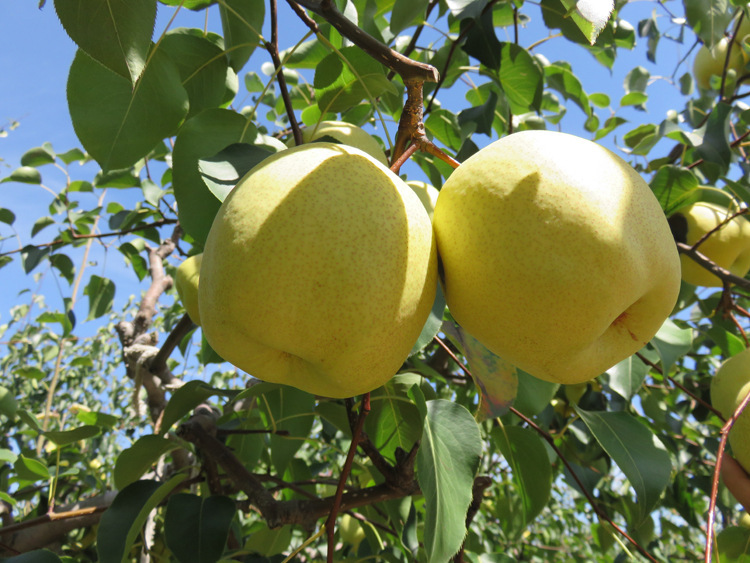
pixel 301 511
pixel 44 530
pixel 711 266
pixel 409 70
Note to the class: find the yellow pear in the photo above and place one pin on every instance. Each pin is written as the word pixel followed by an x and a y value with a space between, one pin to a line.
pixel 728 388
pixel 427 194
pixel 351 531
pixel 710 62
pixel 345 133
pixel 319 271
pixel 186 284
pixel 729 247
pixel 556 254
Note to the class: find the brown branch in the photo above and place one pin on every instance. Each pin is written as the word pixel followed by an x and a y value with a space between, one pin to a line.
pixel 345 471
pixel 273 49
pixel 298 511
pixel 76 236
pixel 717 472
pixel 158 365
pixel 417 32
pixel 409 70
pixel 677 384
pixel 43 530
pixel 711 266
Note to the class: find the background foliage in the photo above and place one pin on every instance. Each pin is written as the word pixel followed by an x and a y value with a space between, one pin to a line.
pixel 115 419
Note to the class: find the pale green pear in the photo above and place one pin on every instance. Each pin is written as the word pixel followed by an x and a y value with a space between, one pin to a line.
pixel 728 247
pixel 345 133
pixel 186 284
pixel 556 254
pixel 319 271
pixel 427 194
pixel 710 62
pixel 729 387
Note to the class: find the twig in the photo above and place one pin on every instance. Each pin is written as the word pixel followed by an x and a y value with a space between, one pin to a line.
pixel 76 236
pixel 182 328
pixel 717 472
pixel 711 266
pixel 409 70
pixel 273 49
pixel 345 471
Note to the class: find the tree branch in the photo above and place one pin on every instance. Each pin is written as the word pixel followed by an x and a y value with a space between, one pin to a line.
pixel 409 70
pixel 711 266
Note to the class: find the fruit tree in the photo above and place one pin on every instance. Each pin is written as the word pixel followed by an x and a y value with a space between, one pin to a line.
pixel 381 280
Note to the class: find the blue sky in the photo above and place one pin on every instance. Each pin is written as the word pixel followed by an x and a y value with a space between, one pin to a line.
pixel 35 54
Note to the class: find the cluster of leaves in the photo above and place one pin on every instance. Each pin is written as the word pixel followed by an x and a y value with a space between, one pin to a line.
pixel 540 473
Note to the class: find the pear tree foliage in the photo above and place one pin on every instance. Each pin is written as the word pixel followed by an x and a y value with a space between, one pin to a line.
pixel 125 437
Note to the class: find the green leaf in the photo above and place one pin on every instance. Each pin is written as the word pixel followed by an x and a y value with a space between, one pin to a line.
pixel 202 137
pixel 675 187
pixel 527 457
pixel 495 378
pixel 121 523
pixel 202 67
pixel 242 23
pixel 268 542
pixel 134 461
pixel 117 34
pixel 715 150
pixel 65 437
pixel 462 9
pixel 40 224
pixel 305 55
pixel 394 421
pixel 443 124
pixel 24 175
pixel 196 528
pixel 636 451
pixel 119 123
pixel 481 41
pixel 7 216
pixel 184 400
pixel 101 293
pixel 32 256
pixel 405 14
pixel 533 393
pixel 30 469
pixel 521 78
pixel 290 411
pixel 590 17
pixel 8 405
pixel 708 18
pixel 479 119
pixel 432 325
pixel 447 461
pixel 626 377
pixel 560 78
pixel 341 84
pixel 38 156
pixel 672 342
pixel 222 171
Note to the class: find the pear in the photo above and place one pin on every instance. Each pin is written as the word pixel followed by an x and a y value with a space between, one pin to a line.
pixel 556 254
pixel 729 387
pixel 345 133
pixel 728 247
pixel 186 284
pixel 710 62
pixel 319 271
pixel 427 194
